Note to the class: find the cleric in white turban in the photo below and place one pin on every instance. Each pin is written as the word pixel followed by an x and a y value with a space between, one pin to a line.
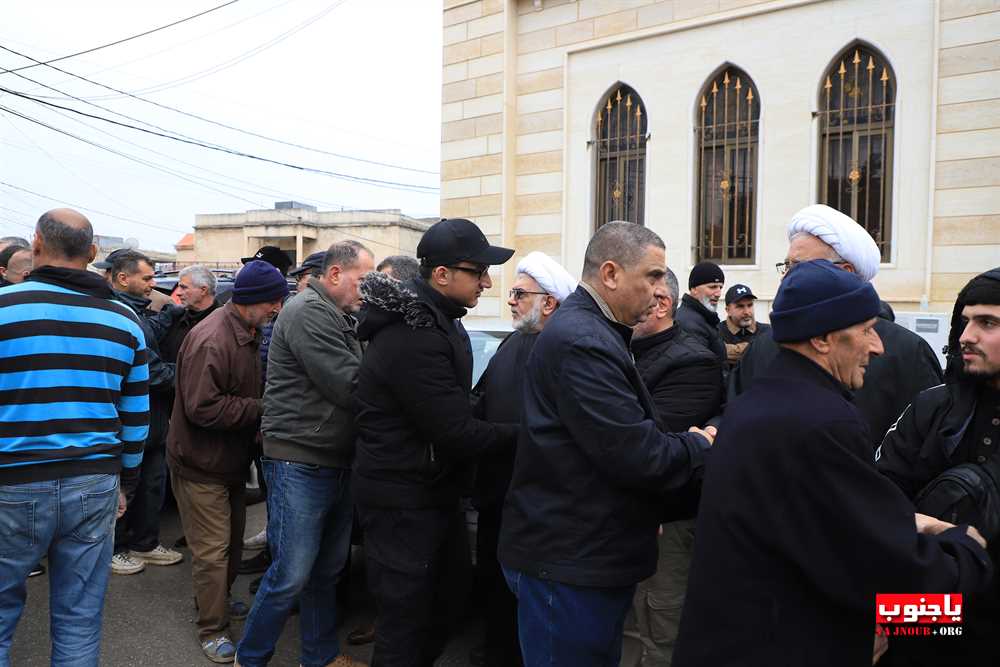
pixel 549 274
pixel 847 238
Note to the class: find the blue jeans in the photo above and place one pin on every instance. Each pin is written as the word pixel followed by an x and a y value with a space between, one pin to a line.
pixel 72 520
pixel 561 625
pixel 309 519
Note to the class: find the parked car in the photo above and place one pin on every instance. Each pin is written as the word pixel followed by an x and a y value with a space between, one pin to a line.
pixel 485 336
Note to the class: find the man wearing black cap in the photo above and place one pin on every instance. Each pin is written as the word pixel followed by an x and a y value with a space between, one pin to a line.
pixel 106 263
pixel 312 267
pixel 797 530
pixel 953 430
pixel 740 325
pixel 696 313
pixel 274 256
pixel 418 439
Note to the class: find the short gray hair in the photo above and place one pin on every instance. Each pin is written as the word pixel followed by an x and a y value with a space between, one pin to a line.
pixel 623 243
pixel 403 267
pixel 200 277
pixel 66 240
pixel 674 289
pixel 344 254
pixel 15 240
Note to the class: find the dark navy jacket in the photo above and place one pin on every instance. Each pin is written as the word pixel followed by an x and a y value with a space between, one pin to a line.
pixel 592 468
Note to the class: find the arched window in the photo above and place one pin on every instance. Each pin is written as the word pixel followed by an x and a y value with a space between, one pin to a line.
pixel 620 136
pixel 856 115
pixel 727 129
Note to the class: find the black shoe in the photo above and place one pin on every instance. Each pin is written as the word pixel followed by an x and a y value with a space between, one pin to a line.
pixel 37 571
pixel 256 565
pixel 181 542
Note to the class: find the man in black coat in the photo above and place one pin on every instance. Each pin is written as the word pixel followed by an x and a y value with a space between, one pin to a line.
pixel 908 366
pixel 740 326
pixel 949 425
pixel 797 531
pixel 684 379
pixel 540 286
pixel 593 469
pixel 418 438
pixel 697 311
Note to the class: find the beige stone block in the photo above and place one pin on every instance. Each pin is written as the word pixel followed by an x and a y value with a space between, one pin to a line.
pixel 456 150
pixel 547 17
pixel 533 184
pixel 489 85
pixel 968 173
pixel 592 8
pixel 969 59
pixel 458 130
pixel 485 205
pixel 491 44
pixel 615 24
pixel 540 142
pixel 542 121
pixel 461 187
pixel 546 100
pixel 538 163
pixel 528 6
pixel 456 53
pixel 657 14
pixel 492 6
pixel 486 125
pixel 965 145
pixel 946 286
pixel 550 202
pixel 969 116
pixel 689 9
pixel 463 13
pixel 536 41
pixel 495 143
pixel 575 32
pixel 454 208
pixel 971 230
pixel 451 4
pixel 486 65
pixel 456 72
pixel 458 91
pixel 953 9
pixel 726 5
pixel 485 165
pixel 970 30
pixel 967 201
pixel 540 60
pixel 537 81
pixel 454 34
pixel 491 185
pixel 549 223
pixel 550 244
pixel 957 258
pixel 482 106
pixel 969 87
pixel 450 112
pixel 486 25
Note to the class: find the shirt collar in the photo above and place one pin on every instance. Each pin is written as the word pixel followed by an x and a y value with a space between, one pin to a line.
pixel 245 334
pixel 601 303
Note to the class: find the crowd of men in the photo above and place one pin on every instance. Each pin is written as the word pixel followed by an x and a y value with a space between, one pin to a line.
pixel 655 485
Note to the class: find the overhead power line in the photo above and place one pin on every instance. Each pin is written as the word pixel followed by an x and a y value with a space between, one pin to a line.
pixel 193 115
pixel 129 39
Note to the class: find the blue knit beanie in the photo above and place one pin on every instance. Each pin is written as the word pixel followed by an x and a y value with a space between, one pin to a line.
pixel 816 298
pixel 259 282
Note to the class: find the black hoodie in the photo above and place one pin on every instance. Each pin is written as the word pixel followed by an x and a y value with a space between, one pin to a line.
pixel 417 437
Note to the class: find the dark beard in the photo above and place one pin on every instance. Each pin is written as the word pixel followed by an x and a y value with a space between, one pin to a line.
pixel 979 379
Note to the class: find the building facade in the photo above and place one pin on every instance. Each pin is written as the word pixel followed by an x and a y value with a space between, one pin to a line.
pixel 713 121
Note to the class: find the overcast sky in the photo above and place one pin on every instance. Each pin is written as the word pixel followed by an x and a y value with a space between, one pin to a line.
pixel 358 77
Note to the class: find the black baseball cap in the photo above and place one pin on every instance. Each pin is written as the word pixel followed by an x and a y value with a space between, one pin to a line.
pixel 312 263
pixel 458 240
pixel 108 261
pixel 274 256
pixel 738 293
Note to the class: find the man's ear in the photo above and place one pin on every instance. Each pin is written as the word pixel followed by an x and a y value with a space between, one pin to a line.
pixel 93 253
pixel 549 304
pixel 822 344
pixel 440 275
pixel 609 272
pixel 849 267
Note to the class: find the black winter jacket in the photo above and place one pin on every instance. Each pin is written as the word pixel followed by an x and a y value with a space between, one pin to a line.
pixel 592 468
pixel 417 437
pixel 702 323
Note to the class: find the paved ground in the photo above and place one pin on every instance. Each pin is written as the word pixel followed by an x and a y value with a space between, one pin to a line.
pixel 149 618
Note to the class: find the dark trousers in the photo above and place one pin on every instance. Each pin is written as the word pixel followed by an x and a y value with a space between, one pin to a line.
pixel 139 528
pixel 418 572
pixel 501 640
pixel 562 625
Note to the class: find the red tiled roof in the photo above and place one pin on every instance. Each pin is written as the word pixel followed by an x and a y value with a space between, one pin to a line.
pixel 186 242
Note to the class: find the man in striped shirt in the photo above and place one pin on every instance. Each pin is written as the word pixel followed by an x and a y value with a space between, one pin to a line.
pixel 74 412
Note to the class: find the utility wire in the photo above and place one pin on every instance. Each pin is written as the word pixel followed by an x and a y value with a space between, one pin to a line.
pixel 190 115
pixel 129 39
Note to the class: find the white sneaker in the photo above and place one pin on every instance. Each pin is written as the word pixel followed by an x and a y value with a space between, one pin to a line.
pixel 123 563
pixel 158 556
pixel 258 541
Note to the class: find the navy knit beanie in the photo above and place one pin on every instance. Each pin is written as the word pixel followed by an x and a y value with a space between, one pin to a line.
pixel 816 298
pixel 259 282
pixel 704 273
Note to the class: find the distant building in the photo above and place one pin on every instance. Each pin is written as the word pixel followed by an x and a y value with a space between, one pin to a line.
pixel 221 239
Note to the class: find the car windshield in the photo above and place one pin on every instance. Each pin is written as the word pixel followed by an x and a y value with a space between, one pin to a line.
pixel 484 346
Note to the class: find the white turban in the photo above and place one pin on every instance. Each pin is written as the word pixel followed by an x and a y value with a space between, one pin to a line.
pixel 849 239
pixel 549 275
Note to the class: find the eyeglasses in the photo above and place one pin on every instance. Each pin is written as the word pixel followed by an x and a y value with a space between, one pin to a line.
pixel 478 272
pixel 785 267
pixel 517 293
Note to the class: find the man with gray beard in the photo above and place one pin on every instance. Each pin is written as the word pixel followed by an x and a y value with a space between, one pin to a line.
pixel 540 287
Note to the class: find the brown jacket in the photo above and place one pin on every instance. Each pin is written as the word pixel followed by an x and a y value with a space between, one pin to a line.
pixel 218 405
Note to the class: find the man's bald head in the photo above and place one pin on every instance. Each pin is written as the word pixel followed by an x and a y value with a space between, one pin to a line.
pixel 64 237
